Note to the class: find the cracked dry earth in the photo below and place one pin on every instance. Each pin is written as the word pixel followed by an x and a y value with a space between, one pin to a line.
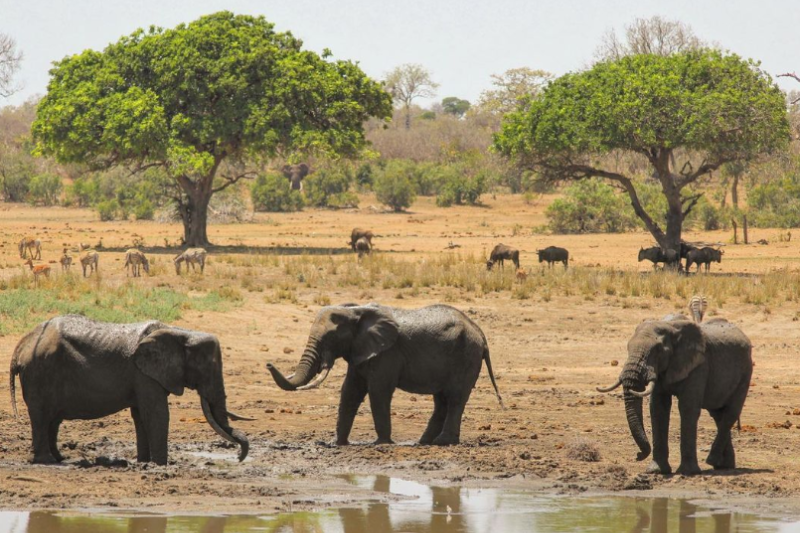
pixel 549 352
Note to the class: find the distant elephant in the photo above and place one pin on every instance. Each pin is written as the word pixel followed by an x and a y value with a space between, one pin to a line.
pixel 295 174
pixel 554 254
pixel 501 253
pixel 434 350
pixel 73 368
pixel 362 247
pixel 359 233
pixel 706 366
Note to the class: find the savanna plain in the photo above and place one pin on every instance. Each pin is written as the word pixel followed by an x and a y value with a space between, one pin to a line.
pixel 553 338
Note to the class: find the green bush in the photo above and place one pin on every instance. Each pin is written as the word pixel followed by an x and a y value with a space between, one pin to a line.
pixel 272 193
pixel 775 203
pixel 16 171
pixel 394 187
pixel 330 187
pixel 591 206
pixel 108 210
pixel 365 177
pixel 460 188
pixel 144 210
pixel 45 189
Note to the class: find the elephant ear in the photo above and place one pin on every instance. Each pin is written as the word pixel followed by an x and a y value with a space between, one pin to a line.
pixel 688 351
pixel 303 169
pixel 376 331
pixel 287 171
pixel 161 356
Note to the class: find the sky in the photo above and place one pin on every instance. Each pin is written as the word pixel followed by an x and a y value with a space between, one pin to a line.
pixel 461 42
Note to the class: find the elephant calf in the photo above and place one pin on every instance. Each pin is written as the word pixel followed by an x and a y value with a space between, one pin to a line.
pixel 706 366
pixel 73 368
pixel 434 350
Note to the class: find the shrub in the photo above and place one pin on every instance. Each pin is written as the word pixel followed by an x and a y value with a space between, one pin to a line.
pixel 461 188
pixel 45 189
pixel 365 176
pixel 394 186
pixel 775 203
pixel 330 187
pixel 108 210
pixel 590 206
pixel 144 210
pixel 272 193
pixel 16 170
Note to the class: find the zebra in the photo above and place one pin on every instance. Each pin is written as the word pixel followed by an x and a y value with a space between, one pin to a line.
pixel 90 259
pixel 66 261
pixel 134 259
pixel 191 257
pixel 698 305
pixel 30 244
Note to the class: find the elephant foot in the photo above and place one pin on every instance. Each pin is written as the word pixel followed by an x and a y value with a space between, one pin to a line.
pixel 687 469
pixel 720 462
pixel 383 441
pixel 444 440
pixel 47 459
pixel 655 468
pixel 342 442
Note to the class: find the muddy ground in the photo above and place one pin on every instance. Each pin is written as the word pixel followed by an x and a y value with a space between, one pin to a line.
pixel 548 354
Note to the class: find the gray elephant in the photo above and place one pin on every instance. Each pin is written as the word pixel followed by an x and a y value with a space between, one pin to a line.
pixel 73 368
pixel 434 350
pixel 295 174
pixel 706 366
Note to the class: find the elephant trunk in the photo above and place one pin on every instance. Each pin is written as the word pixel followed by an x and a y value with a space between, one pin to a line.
pixel 632 379
pixel 308 367
pixel 217 418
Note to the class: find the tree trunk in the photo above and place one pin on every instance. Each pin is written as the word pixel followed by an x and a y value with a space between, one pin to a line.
pixel 408 117
pixel 193 206
pixel 735 192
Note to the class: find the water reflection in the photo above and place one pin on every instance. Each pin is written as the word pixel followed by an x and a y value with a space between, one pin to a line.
pixel 417 508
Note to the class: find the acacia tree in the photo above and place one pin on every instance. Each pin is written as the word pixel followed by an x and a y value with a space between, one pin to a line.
pixel 10 60
pixel 220 90
pixel 408 82
pixel 512 87
pixel 656 35
pixel 702 108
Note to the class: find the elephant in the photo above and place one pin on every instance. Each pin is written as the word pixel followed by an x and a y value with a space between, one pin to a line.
pixel 359 233
pixel 434 350
pixel 706 366
pixel 501 253
pixel 74 368
pixel 295 174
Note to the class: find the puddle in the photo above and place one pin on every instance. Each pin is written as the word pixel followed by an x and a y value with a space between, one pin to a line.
pixel 422 509
pixel 224 457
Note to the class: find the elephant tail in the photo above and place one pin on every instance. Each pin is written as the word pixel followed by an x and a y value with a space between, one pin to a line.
pixel 12 384
pixel 491 376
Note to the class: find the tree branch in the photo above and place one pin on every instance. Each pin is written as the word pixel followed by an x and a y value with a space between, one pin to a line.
pixel 230 180
pixel 692 201
pixel 703 169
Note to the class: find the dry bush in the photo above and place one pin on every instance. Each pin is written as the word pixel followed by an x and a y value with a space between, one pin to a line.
pixel 582 449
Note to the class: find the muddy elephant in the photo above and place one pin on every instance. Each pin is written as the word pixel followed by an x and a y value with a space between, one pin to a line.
pixel 706 366
pixel 295 174
pixel 434 350
pixel 73 368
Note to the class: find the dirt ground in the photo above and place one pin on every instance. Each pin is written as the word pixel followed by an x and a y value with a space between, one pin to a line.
pixel 548 354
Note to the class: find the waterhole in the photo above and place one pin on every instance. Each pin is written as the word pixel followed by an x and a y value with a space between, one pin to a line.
pixel 418 508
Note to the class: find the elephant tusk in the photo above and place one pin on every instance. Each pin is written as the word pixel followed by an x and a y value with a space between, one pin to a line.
pixel 213 421
pixel 234 416
pixel 612 387
pixel 317 381
pixel 647 392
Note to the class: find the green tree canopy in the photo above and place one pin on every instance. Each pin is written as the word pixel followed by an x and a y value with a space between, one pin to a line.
pixel 223 88
pixel 686 114
pixel 455 106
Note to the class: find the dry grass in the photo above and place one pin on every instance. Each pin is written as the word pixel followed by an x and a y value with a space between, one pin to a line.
pixel 582 449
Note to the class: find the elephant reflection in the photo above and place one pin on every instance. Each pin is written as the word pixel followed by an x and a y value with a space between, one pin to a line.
pixel 445 514
pixel 658 520
pixel 49 522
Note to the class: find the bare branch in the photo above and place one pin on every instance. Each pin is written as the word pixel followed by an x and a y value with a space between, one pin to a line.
pixel 230 180
pixel 10 60
pixel 692 201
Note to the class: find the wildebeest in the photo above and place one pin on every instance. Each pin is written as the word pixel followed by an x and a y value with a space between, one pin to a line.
pixel 654 254
pixel 554 254
pixel 359 233
pixel 501 253
pixel 703 255
pixel 362 247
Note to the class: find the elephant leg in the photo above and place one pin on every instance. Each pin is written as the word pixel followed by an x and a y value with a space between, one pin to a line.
pixel 451 432
pixel 436 423
pixel 380 401
pixel 142 446
pixel 40 428
pixel 660 407
pixel 354 390
pixel 53 440
pixel 690 413
pixel 153 408
pixel 722 455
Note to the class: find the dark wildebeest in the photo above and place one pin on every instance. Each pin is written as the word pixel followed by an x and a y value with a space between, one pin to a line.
pixel 554 254
pixel 653 254
pixel 359 233
pixel 703 255
pixel 362 247
pixel 500 253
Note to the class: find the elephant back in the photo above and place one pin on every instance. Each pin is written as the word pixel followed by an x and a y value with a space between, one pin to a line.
pixel 91 337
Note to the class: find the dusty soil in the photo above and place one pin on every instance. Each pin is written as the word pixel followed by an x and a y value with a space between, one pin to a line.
pixel 548 353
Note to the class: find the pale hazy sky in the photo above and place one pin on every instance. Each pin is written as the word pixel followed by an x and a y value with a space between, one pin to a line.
pixel 460 42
